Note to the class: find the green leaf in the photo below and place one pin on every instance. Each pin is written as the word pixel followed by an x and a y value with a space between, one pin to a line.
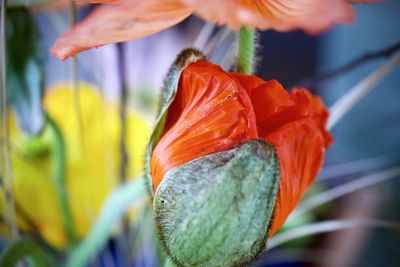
pixel 168 92
pixel 21 249
pixel 216 210
pixel 24 70
pixel 114 208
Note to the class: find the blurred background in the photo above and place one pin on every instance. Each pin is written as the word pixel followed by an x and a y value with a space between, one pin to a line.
pixel 98 109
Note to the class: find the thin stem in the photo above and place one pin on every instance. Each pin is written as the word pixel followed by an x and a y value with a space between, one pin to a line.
pixel 75 84
pixel 346 188
pixel 122 242
pixel 317 81
pixel 216 40
pixel 245 61
pixel 59 159
pixel 204 35
pixel 223 48
pixel 353 167
pixel 122 114
pixel 325 227
pixel 6 180
pixel 352 97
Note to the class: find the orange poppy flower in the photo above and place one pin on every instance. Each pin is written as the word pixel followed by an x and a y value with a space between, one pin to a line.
pixel 122 20
pixel 214 111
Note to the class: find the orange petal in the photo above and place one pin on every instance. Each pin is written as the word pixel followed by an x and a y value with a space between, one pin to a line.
pixel 301 104
pixel 282 15
pixel 300 146
pixel 211 113
pixel 127 20
pixel 299 136
pixel 268 98
pixel 295 124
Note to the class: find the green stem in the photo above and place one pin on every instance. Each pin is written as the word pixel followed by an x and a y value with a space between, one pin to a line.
pixel 245 60
pixel 60 179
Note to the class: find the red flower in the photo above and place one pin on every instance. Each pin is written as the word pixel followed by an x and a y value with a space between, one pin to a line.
pixel 214 111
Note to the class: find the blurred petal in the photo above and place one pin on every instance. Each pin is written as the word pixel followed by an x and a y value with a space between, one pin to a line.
pixel 211 113
pixel 127 20
pixel 282 15
pixel 100 1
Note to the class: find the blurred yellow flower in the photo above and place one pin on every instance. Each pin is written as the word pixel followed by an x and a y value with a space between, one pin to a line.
pixel 92 165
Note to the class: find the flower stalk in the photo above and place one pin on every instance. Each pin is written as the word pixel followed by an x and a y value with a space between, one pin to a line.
pixel 245 60
pixel 60 179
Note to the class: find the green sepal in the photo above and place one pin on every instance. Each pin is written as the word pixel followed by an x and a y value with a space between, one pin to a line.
pixel 216 210
pixel 168 93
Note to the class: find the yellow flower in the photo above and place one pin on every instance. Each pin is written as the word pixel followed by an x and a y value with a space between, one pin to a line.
pixel 92 161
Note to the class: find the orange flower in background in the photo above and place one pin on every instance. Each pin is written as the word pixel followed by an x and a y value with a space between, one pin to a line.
pixel 215 111
pixel 122 20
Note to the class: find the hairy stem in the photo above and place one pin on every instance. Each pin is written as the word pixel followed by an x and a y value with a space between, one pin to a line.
pixel 123 151
pixel 245 60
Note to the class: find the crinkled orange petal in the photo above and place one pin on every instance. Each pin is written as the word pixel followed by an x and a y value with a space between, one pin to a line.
pixel 127 20
pixel 282 15
pixel 299 136
pixel 212 112
pixel 300 146
pixel 295 124
pixel 306 106
pixel 268 97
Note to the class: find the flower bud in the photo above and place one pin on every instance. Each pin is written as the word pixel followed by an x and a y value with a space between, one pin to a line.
pixel 230 157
